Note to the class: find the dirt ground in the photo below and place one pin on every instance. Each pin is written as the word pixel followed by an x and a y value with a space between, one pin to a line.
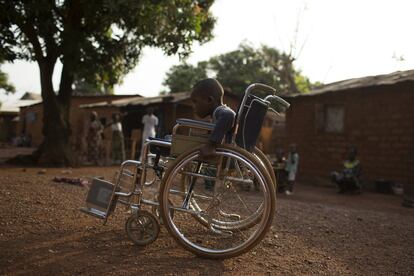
pixel 315 232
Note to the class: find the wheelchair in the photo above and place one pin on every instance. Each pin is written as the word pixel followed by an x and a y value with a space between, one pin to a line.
pixel 202 203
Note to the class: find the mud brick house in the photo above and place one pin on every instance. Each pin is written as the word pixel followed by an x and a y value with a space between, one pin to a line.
pixel 168 108
pixel 31 116
pixel 8 122
pixel 9 115
pixel 375 114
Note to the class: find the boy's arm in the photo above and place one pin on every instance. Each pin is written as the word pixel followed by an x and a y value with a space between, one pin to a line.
pixel 224 122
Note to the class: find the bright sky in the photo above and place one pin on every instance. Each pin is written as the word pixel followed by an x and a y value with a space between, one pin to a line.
pixel 340 40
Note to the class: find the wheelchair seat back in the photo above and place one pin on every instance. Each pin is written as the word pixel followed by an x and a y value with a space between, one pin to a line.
pixel 252 115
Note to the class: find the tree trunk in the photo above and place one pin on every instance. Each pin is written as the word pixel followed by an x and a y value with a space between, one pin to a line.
pixel 55 149
pixel 289 74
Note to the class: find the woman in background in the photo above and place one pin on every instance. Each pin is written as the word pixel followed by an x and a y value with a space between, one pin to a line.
pixel 118 147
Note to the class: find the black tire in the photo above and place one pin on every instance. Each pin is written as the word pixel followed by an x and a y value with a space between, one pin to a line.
pixel 267 164
pixel 268 213
pixel 142 228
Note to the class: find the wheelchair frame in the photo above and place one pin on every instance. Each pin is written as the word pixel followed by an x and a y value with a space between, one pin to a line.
pixel 261 167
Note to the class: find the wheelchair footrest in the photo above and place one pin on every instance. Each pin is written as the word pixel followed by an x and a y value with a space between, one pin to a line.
pixel 93 212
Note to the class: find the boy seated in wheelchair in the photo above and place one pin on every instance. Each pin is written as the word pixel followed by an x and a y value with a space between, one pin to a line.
pixel 207 97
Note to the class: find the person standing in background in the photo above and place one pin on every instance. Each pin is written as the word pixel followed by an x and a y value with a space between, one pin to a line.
pixel 118 147
pixel 279 168
pixel 150 121
pixel 292 163
pixel 94 139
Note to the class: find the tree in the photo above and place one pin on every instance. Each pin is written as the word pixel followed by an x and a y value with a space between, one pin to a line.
pixel 99 41
pixel 83 86
pixel 242 67
pixel 183 76
pixel 4 83
pixel 237 69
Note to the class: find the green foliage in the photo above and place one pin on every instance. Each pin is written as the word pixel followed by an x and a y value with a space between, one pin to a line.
pixel 83 86
pixel 303 83
pixel 237 69
pixel 101 39
pixel 240 68
pixel 182 77
pixel 4 83
pixel 98 42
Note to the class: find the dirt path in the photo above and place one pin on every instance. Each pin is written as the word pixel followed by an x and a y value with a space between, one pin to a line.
pixel 315 232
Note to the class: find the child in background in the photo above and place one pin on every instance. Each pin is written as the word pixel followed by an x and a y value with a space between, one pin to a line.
pixel 118 147
pixel 292 163
pixel 348 179
pixel 279 166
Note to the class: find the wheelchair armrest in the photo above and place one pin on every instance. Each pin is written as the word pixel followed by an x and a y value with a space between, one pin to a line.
pixel 159 146
pixel 195 124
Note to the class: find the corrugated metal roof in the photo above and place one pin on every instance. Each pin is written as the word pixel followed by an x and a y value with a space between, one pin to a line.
pixel 9 109
pixel 35 102
pixel 387 79
pixel 23 103
pixel 31 96
pixel 14 107
pixel 175 97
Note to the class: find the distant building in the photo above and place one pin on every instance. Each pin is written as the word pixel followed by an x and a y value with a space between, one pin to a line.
pixel 168 108
pixel 9 115
pixel 375 114
pixel 31 117
pixel 8 122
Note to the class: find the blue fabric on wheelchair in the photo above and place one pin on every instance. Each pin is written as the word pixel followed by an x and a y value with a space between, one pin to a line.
pixel 251 120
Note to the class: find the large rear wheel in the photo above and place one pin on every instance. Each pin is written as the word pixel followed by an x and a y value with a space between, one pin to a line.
pixel 221 220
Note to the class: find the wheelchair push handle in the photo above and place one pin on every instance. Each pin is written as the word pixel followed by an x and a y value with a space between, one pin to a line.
pixel 259 86
pixel 266 88
pixel 278 100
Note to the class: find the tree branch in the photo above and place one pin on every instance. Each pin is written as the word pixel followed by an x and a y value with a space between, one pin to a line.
pixel 30 33
pixel 70 49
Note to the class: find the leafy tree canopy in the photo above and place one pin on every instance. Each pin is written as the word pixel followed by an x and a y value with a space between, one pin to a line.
pixel 238 69
pixel 106 37
pixel 97 42
pixel 182 77
pixel 4 83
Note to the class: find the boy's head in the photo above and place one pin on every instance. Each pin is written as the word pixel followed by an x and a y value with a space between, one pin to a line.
pixel 207 94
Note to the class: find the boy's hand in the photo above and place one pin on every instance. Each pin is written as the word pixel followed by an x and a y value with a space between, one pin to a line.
pixel 207 151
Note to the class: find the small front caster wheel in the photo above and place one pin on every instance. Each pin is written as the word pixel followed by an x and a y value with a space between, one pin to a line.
pixel 142 228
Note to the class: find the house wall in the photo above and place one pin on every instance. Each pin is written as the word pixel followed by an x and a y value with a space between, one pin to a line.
pixel 31 117
pixel 31 122
pixel 379 121
pixel 7 127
